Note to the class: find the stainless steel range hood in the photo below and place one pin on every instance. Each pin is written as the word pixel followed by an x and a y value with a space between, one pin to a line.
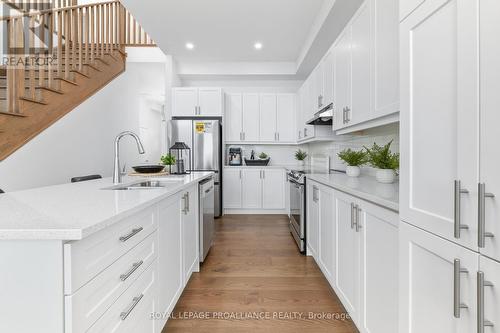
pixel 323 117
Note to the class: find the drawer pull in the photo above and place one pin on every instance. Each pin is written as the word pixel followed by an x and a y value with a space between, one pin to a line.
pixel 131 234
pixel 135 266
pixel 127 312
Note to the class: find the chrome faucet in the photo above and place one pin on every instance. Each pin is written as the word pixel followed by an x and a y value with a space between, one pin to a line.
pixel 117 176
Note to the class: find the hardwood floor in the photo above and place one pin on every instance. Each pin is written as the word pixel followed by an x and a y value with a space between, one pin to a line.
pixel 254 275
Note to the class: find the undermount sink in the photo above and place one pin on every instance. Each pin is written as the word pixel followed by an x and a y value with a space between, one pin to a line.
pixel 145 185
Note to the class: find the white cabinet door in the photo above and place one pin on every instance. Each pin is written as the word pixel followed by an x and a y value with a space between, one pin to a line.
pixel 328 65
pixel 384 57
pixel 301 98
pixel 360 55
pixel 342 75
pixel 490 272
pixel 285 122
pixel 251 118
pixel 234 117
pixel 379 269
pixel 312 220
pixel 327 232
pixel 408 6
pixel 232 188
pixel 210 101
pixel 190 241
pixel 251 188
pixel 439 118
pixel 273 189
pixel 348 255
pixel 317 89
pixel 490 118
pixel 268 117
pixel 169 255
pixel 427 281
pixel 185 101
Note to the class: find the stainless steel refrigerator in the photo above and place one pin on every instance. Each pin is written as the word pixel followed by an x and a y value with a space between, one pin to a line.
pixel 204 137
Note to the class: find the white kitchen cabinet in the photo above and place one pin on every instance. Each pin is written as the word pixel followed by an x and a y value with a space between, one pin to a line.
pixel 305 132
pixel 347 281
pixel 268 117
pixel 360 104
pixel 312 220
pixel 285 118
pixel 408 6
pixel 273 189
pixel 251 118
pixel 439 120
pixel 327 232
pixel 190 233
pixel 342 78
pixel 488 281
pixel 317 88
pixel 251 185
pixel 232 188
pixel 429 272
pixel 489 160
pixel 170 270
pixel 234 117
pixel 185 101
pixel 379 229
pixel 197 102
pixel 328 70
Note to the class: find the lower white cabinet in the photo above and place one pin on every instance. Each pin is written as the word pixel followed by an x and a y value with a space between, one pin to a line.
pixel 355 243
pixel 489 282
pixel 190 225
pixel 430 270
pixel 253 189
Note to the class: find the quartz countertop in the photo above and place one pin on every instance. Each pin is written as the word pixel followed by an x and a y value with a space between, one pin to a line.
pixel 75 211
pixel 364 187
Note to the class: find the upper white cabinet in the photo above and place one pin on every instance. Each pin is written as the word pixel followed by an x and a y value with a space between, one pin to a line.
pixel 260 118
pixel 366 83
pixel 242 117
pixel 439 121
pixel 197 102
pixel 436 278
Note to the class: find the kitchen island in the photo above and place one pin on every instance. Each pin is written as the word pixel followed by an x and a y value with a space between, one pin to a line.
pixel 86 257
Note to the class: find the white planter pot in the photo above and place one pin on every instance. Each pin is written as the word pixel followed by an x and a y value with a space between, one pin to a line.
pixel 353 171
pixel 385 176
pixel 302 163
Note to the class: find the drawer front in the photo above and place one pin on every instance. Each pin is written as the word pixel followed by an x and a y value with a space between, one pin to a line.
pixel 91 301
pixel 85 259
pixel 131 313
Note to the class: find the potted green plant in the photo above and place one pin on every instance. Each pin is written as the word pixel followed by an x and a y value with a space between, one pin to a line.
pixel 301 156
pixel 169 160
pixel 354 159
pixel 385 161
pixel 263 156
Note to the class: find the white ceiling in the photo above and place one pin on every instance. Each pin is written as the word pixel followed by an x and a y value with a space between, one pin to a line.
pixel 226 30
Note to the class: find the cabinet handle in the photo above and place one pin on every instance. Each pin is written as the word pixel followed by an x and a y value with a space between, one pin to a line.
pixel 241 137
pixel 343 116
pixel 135 266
pixel 305 132
pixel 300 134
pixel 352 215
pixel 240 174
pixel 457 217
pixel 127 312
pixel 356 212
pixel 457 305
pixel 131 234
pixel 244 136
pixel 186 203
pixel 263 174
pixel 482 234
pixel 481 283
pixel 315 193
pixel 347 115
pixel 278 136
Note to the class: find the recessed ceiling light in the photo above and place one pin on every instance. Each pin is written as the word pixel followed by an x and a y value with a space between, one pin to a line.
pixel 189 46
pixel 258 46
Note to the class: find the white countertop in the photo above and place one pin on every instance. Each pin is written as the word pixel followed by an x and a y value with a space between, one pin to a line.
pixel 75 211
pixel 364 187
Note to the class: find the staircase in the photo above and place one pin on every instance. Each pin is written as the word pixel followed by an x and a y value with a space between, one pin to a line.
pixel 58 58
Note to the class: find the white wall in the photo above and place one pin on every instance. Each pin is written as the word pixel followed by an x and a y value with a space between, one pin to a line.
pixel 81 143
pixel 381 135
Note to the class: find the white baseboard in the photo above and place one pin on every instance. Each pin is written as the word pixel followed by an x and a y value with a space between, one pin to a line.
pixel 255 212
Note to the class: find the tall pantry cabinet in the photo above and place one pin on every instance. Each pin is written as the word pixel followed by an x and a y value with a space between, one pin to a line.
pixel 450 182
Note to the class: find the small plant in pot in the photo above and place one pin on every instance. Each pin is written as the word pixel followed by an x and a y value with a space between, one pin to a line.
pixel 301 156
pixel 385 161
pixel 263 156
pixel 169 160
pixel 354 159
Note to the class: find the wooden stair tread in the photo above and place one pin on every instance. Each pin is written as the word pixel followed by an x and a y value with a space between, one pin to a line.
pixel 32 100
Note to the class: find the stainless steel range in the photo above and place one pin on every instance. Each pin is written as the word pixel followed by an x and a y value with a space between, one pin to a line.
pixel 296 182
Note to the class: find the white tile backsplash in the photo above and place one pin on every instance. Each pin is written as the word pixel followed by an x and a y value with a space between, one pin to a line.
pixel 381 135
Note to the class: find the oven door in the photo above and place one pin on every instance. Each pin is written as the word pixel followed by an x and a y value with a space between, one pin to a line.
pixel 297 207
